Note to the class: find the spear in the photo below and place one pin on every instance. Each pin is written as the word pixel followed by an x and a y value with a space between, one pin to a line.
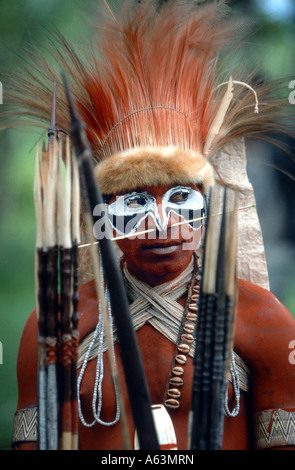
pixel 46 288
pixel 65 338
pixel 75 298
pixel 231 281
pixel 40 281
pixel 51 302
pixel 57 218
pixel 131 359
pixel 198 431
pixel 220 339
pixel 214 332
pixel 47 305
pixel 50 225
pixel 225 321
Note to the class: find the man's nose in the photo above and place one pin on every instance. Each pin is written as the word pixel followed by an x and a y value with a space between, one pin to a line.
pixel 163 217
pixel 168 219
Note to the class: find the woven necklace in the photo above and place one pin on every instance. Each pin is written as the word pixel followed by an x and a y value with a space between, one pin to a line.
pixel 176 323
pixel 160 308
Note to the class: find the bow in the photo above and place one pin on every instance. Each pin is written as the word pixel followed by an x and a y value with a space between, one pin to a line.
pixel 129 350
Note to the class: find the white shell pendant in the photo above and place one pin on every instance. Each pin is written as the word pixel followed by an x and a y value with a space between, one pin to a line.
pixel 164 428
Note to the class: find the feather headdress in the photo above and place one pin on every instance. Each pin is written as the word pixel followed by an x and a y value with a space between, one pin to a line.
pixel 155 94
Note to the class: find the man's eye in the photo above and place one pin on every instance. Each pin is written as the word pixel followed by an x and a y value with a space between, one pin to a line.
pixel 137 202
pixel 179 197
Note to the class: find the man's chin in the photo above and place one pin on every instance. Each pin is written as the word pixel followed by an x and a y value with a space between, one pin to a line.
pixel 165 259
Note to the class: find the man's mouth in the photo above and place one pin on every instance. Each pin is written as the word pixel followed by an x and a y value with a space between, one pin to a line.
pixel 162 249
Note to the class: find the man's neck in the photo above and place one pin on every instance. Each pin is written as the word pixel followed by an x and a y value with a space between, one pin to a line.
pixel 156 279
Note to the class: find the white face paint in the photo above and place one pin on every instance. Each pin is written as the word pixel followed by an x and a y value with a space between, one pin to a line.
pixel 128 211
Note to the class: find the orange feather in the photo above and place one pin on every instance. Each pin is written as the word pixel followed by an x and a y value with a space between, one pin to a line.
pixel 152 79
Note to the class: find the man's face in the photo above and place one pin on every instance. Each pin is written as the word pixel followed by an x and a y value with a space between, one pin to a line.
pixel 156 248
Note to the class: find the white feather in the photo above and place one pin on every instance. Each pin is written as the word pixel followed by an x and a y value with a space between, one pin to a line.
pixel 219 118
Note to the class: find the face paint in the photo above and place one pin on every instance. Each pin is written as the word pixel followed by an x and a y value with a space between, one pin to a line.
pixel 185 202
pixel 127 212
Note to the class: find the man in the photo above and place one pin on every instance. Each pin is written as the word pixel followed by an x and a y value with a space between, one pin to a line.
pixel 155 112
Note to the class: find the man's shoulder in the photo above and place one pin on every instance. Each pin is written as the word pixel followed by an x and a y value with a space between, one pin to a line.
pixel 265 335
pixel 263 325
pixel 257 303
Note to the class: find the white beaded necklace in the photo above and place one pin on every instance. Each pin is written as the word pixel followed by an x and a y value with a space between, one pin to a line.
pixel 98 338
pixel 160 308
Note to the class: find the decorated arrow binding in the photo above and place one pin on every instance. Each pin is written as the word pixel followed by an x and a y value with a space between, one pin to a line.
pixel 57 238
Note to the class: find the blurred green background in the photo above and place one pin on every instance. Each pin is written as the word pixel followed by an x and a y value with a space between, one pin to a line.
pixel 20 22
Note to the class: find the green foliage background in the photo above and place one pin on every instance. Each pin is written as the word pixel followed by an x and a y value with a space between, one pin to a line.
pixel 20 22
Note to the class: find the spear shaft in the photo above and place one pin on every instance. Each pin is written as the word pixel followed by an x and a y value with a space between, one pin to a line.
pixel 47 305
pixel 51 350
pixel 41 375
pixel 56 273
pixel 66 297
pixel 65 351
pixel 51 296
pixel 231 281
pixel 131 359
pixel 201 394
pixel 214 333
pixel 50 282
pixel 220 337
pixel 41 295
pixel 75 297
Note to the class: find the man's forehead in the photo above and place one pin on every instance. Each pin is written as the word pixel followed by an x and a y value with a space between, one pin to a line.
pixel 160 190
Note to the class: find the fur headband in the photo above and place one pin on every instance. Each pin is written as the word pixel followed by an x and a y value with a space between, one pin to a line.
pixel 153 166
